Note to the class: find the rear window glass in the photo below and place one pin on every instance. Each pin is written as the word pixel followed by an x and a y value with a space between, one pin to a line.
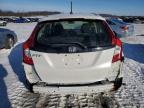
pixel 86 33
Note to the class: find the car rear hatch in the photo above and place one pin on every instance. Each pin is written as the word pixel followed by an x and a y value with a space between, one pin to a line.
pixel 74 68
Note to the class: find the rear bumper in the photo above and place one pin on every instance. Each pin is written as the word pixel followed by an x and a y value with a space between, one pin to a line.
pixel 73 89
pixel 91 88
pixel 94 87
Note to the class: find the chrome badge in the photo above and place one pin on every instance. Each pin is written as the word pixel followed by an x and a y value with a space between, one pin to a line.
pixel 72 49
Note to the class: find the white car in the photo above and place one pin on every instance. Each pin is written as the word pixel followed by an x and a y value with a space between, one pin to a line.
pixel 122 29
pixel 3 23
pixel 73 53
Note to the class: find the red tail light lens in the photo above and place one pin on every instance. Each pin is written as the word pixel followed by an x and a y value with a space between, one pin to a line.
pixel 118 51
pixel 26 54
pixel 117 55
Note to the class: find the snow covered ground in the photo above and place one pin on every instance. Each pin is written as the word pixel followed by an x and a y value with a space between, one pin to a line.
pixel 13 92
pixel 139 29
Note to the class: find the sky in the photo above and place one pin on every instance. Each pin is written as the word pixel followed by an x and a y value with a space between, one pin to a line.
pixel 116 7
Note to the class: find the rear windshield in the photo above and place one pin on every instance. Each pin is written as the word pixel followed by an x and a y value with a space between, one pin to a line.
pixel 81 34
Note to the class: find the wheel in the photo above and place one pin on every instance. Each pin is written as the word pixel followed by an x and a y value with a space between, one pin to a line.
pixel 118 83
pixel 9 43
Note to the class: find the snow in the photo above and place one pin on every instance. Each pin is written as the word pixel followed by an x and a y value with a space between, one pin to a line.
pixel 139 29
pixel 13 92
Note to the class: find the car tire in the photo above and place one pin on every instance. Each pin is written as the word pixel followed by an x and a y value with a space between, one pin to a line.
pixel 118 83
pixel 9 43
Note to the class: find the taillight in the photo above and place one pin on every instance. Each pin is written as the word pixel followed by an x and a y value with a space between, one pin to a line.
pixel 124 28
pixel 118 52
pixel 26 54
pixel 26 48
